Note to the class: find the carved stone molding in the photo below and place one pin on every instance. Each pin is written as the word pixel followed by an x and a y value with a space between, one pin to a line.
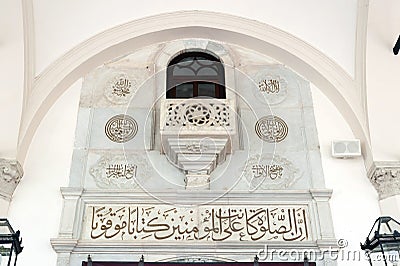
pixel 197 157
pixel 10 175
pixel 385 177
pixel 196 137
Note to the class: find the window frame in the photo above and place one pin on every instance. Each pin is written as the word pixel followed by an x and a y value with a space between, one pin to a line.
pixel 173 81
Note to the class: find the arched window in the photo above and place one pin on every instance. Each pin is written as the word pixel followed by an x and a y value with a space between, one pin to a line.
pixel 195 74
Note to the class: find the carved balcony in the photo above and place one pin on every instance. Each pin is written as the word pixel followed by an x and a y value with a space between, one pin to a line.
pixel 196 135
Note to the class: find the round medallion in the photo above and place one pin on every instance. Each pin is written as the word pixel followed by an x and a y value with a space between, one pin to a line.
pixel 270 88
pixel 121 128
pixel 271 129
pixel 120 89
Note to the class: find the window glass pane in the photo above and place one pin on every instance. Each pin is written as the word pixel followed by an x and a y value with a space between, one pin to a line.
pixel 198 75
pixel 207 90
pixel 207 71
pixel 184 90
pixel 183 71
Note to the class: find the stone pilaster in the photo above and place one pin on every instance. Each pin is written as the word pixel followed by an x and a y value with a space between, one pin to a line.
pixel 385 177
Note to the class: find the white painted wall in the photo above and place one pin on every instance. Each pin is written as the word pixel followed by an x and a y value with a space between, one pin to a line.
pixel 354 201
pixel 11 75
pixel 36 205
pixel 328 25
pixel 391 207
pixel 383 79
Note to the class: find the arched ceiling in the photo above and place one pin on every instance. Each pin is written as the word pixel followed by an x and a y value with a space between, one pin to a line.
pixel 353 36
pixel 300 56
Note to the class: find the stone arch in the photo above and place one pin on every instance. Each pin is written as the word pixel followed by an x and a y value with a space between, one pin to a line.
pixel 316 67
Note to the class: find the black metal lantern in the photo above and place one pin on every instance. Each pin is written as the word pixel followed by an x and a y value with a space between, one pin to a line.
pixel 10 244
pixel 383 237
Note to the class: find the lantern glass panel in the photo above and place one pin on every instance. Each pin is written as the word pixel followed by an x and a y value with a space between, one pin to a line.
pixel 5 254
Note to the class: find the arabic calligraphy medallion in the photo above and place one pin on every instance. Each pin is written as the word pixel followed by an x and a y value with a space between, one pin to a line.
pixel 120 89
pixel 271 88
pixel 121 128
pixel 270 171
pixel 271 129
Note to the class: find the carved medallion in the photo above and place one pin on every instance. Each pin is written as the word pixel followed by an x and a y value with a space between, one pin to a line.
pixel 120 170
pixel 269 85
pixel 271 129
pixel 119 90
pixel 269 171
pixel 197 114
pixel 270 88
pixel 121 128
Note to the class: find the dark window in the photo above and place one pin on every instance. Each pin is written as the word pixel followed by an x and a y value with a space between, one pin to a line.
pixel 195 74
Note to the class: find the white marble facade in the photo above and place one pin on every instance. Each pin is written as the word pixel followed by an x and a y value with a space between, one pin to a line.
pixel 271 163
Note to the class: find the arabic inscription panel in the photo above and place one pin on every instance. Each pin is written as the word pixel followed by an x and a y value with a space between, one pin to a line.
pixel 203 223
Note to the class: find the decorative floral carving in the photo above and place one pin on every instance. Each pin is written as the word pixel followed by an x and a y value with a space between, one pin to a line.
pixel 121 128
pixel 188 113
pixel 10 171
pixel 10 175
pixel 385 177
pixel 271 129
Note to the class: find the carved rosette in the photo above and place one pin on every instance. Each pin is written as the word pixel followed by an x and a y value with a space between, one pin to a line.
pixel 10 175
pixel 385 177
